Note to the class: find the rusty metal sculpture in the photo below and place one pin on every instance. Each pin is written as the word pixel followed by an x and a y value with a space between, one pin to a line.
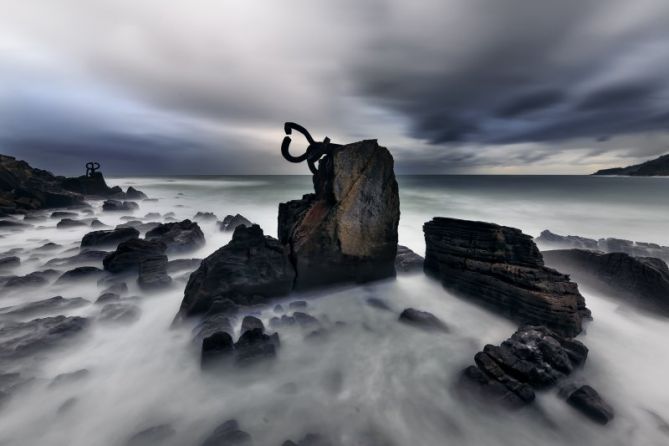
pixel 92 168
pixel 314 151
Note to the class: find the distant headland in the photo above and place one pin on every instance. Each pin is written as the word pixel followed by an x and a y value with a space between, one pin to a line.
pixel 657 167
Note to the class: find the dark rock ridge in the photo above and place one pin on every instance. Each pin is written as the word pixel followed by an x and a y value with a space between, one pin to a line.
pixel 23 187
pixel 183 236
pixel 533 358
pixel 347 230
pixel 658 166
pixel 502 267
pixel 19 339
pixel 96 186
pixel 131 253
pixel 251 268
pixel 110 238
pixel 549 240
pixel 44 306
pixel 640 281
pixel 230 222
pixel 408 261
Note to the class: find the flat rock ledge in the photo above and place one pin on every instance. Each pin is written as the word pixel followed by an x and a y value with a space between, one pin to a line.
pixel 502 268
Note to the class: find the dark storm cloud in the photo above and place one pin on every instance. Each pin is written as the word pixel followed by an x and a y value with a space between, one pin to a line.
pixel 452 85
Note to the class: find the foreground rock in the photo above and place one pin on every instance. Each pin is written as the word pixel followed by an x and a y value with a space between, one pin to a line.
pixel 20 339
pixel 502 268
pixel 533 358
pixel 251 268
pixel 639 281
pixel 548 240
pixel 231 222
pixel 23 187
pixel 110 238
pixel 131 253
pixel 586 400
pixel 423 320
pixel 179 237
pixel 347 230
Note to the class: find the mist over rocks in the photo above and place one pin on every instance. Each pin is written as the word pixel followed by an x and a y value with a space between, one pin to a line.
pixel 131 253
pixel 502 268
pixel 109 238
pixel 347 230
pixel 183 236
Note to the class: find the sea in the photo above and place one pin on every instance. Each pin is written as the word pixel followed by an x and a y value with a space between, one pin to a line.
pixel 373 381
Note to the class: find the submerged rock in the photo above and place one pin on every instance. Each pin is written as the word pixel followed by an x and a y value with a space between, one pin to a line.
pixel 9 262
pixel 70 223
pixel 587 401
pixel 228 434
pixel 34 279
pixel 63 214
pixel 134 194
pixel 216 347
pixel 205 216
pixel 110 238
pixel 80 273
pixel 502 268
pixel 254 345
pixel 93 256
pixel 19 339
pixel 347 230
pixel 119 313
pixel 178 237
pixel 640 281
pixel 152 436
pixel 231 222
pixel 423 319
pixel 251 268
pixel 119 206
pixel 56 304
pixel 131 253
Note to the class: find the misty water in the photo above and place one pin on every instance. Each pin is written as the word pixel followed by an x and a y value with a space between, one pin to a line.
pixel 372 381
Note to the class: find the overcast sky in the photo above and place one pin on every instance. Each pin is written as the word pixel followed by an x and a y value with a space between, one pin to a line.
pixel 449 86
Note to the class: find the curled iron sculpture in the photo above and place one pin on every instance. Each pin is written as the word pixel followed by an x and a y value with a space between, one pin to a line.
pixel 92 168
pixel 314 152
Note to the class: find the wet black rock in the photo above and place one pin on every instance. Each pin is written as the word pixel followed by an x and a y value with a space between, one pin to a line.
pixel 19 339
pixel 119 313
pixel 212 324
pixel 139 225
pixel 305 320
pixel 228 434
pixel 642 282
pixel 57 304
pixel 179 237
pixel 134 194
pixel 152 436
pixel 408 261
pixel 231 222
pixel 69 223
pixel 216 347
pixel 153 273
pixel 251 322
pixel 255 345
pixel 80 273
pixel 119 206
pixel 110 238
pixel 91 185
pixel 423 320
pixel 502 268
pixel 9 262
pixel 347 230
pixel 587 401
pixel 252 268
pixel 98 224
pixel 130 254
pixel 534 357
pixel 183 265
pixel 205 216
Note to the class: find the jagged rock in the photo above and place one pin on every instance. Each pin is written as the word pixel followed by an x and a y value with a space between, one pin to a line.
pixel 118 206
pixel 549 240
pixel 25 188
pixel 640 281
pixel 153 273
pixel 251 268
pixel 502 268
pixel 64 214
pixel 153 436
pixel 110 238
pixel 228 434
pixel 183 264
pixel 205 216
pixel 423 319
pixel 216 347
pixel 130 254
pixel 80 273
pixel 254 345
pixel 69 223
pixel 347 230
pixel 230 222
pixel 407 261
pixel 56 304
pixel 251 322
pixel 19 339
pixel 134 194
pixel 9 262
pixel 534 357
pixel 94 185
pixel 93 256
pixel 179 237
pixel 119 313
pixel 587 401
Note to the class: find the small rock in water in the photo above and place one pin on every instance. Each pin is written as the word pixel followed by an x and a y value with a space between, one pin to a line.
pixel 64 214
pixel 377 303
pixel 178 237
pixel 130 254
pixel 423 319
pixel 9 262
pixel 107 297
pixel 98 224
pixel 587 400
pixel 69 378
pixel 20 339
pixel 80 273
pixel 305 320
pixel 50 246
pixel 216 347
pixel 205 216
pixel 119 206
pixel 251 322
pixel 134 194
pixel 34 279
pixel 153 436
pixel 69 223
pixel 110 238
pixel 254 345
pixel 228 434
pixel 44 306
pixel 153 273
pixel 231 222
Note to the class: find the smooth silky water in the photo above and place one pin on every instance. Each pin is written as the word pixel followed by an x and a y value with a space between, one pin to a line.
pixel 372 380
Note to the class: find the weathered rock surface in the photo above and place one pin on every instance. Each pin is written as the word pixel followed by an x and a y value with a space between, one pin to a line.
pixel 119 313
pixel 70 223
pixel 408 261
pixel 251 268
pixel 9 262
pixel 153 273
pixel 80 273
pixel 587 401
pixel 230 222
pixel 216 347
pixel 502 268
pixel 205 216
pixel 183 236
pixel 24 188
pixel 93 256
pixel 134 194
pixel 56 304
pixel 548 240
pixel 183 265
pixel 19 339
pixel 131 253
pixel 640 281
pixel 119 206
pixel 110 238
pixel 36 278
pixel 533 358
pixel 347 230
pixel 423 320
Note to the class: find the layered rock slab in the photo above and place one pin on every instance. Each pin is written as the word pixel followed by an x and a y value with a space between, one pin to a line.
pixel 502 268
pixel 347 230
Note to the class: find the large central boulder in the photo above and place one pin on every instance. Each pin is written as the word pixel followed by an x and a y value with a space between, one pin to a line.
pixel 250 269
pixel 347 230
pixel 502 268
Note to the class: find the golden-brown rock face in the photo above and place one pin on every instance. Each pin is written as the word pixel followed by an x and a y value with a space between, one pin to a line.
pixel 347 230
